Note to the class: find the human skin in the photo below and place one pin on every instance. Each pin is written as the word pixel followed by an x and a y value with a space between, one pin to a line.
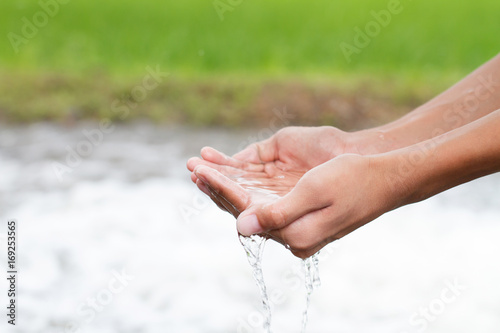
pixel 475 96
pixel 355 177
pixel 303 148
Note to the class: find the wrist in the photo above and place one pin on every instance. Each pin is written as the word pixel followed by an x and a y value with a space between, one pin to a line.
pixel 420 125
pixel 333 141
pixel 395 175
pixel 371 141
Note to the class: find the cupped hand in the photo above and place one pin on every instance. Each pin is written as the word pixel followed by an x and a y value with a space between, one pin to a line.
pixel 327 202
pixel 292 149
pixel 273 165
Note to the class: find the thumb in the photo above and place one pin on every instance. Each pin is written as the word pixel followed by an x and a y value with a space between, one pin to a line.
pixel 260 218
pixel 260 152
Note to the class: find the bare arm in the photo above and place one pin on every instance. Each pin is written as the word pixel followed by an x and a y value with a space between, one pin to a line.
pixel 475 96
pixel 450 140
pixel 456 157
pixel 341 195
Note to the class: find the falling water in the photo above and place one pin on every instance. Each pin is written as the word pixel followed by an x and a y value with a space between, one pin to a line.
pixel 254 247
pixel 312 280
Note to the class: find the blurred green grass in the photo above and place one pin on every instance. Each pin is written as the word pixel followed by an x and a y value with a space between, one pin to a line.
pixel 426 47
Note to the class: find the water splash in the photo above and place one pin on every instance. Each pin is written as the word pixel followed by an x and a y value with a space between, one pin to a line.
pixel 254 247
pixel 312 281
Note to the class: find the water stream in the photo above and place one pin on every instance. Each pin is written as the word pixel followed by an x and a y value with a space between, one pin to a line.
pixel 312 280
pixel 254 248
pixel 254 245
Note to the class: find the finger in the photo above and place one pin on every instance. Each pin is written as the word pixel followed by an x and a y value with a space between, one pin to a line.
pixel 205 190
pixel 224 169
pixel 304 198
pixel 193 177
pixel 212 155
pixel 222 203
pixel 250 154
pixel 192 163
pixel 218 200
pixel 308 234
pixel 217 157
pixel 304 254
pixel 228 206
pixel 260 152
pixel 202 187
pixel 243 178
pixel 224 187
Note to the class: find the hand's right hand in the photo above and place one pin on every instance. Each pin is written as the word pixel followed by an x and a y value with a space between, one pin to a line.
pixel 328 202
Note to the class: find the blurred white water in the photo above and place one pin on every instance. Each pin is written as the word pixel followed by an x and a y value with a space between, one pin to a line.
pixel 129 209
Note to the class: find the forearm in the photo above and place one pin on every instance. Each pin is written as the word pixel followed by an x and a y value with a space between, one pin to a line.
pixel 458 156
pixel 470 99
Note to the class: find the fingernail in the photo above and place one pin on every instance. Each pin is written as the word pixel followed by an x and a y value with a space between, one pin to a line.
pixel 248 225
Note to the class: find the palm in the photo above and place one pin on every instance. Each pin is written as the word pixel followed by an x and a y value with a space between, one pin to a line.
pixel 270 168
pixel 276 177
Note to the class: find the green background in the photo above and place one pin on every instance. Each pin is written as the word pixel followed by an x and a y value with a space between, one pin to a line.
pixel 101 48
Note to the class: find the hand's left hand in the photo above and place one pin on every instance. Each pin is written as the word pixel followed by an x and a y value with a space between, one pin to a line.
pixel 275 164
